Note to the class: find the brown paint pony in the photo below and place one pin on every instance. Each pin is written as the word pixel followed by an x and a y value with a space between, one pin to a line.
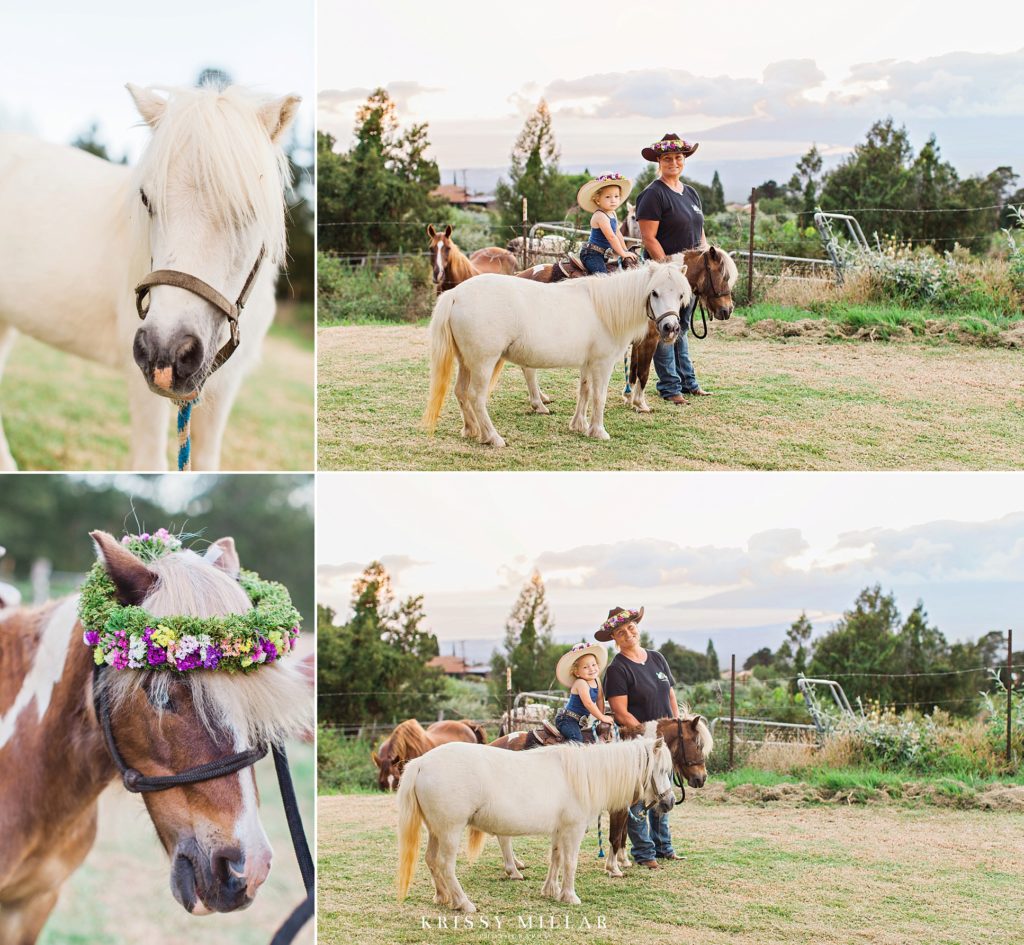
pixel 54 762
pixel 689 740
pixel 410 740
pixel 450 266
pixel 712 275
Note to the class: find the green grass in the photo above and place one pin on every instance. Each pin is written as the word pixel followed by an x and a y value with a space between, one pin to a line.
pixel 795 875
pixel 797 404
pixel 120 895
pixel 61 412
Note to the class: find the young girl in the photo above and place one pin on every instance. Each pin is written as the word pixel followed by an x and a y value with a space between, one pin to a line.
pixel 602 196
pixel 580 670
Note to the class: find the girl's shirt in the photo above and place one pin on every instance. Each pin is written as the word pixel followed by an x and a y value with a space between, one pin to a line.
pixel 575 703
pixel 680 217
pixel 598 238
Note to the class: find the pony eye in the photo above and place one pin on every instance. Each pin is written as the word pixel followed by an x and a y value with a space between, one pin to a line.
pixel 654 294
pixel 145 201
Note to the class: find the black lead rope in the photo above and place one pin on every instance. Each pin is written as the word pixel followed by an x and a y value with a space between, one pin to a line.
pixel 138 783
pixel 703 318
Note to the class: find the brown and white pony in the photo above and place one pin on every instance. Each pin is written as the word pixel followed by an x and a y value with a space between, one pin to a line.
pixel 450 266
pixel 712 274
pixel 410 740
pixel 54 761
pixel 689 740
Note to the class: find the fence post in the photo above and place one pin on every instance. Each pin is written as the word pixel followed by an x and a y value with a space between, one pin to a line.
pixel 750 247
pixel 732 710
pixel 508 685
pixel 1009 690
pixel 523 266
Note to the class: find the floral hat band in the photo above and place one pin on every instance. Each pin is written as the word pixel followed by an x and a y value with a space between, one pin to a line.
pixel 618 617
pixel 126 637
pixel 669 144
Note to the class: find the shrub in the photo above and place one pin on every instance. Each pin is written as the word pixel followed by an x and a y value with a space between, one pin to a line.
pixel 359 294
pixel 343 764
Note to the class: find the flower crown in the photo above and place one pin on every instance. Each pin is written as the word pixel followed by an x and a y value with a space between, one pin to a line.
pixel 125 637
pixel 610 178
pixel 673 145
pixel 613 623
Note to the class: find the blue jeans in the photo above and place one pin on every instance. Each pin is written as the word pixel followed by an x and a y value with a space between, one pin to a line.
pixel 672 362
pixel 593 261
pixel 570 729
pixel 650 837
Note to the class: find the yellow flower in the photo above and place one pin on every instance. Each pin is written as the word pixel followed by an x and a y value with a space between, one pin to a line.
pixel 245 648
pixel 246 661
pixel 163 635
pixel 97 656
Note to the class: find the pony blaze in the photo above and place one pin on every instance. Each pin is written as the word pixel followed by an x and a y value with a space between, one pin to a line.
pixel 67 725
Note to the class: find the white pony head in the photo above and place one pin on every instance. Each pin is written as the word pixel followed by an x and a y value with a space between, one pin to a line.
pixel 209 194
pixel 668 293
pixel 657 791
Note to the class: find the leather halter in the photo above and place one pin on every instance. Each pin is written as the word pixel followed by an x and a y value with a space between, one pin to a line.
pixel 139 783
pixel 183 280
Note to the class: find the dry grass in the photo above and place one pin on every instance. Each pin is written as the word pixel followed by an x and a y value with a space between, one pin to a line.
pixel 791 403
pixel 825 874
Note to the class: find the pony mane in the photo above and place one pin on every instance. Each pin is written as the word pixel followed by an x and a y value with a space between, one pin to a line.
pixel 606 776
pixel 236 172
pixel 618 297
pixel 408 740
pixel 459 266
pixel 705 742
pixel 267 705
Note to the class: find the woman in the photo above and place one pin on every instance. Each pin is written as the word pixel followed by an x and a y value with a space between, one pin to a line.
pixel 639 688
pixel 671 220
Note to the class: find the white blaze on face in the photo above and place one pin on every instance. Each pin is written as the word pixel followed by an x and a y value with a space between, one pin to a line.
pixel 47 668
pixel 438 264
pixel 252 838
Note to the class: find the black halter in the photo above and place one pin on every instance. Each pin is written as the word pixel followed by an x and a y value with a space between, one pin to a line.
pixel 707 296
pixel 139 783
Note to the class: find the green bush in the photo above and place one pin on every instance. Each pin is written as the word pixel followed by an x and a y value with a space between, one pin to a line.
pixel 343 764
pixel 349 295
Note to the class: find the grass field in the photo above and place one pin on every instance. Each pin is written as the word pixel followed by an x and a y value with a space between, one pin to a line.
pixel 780 403
pixel 121 895
pixel 753 874
pixel 61 412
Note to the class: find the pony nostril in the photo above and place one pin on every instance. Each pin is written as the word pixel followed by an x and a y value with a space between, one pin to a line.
pixel 140 349
pixel 228 866
pixel 188 357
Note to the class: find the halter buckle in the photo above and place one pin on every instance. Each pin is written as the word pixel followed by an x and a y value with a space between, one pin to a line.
pixel 132 778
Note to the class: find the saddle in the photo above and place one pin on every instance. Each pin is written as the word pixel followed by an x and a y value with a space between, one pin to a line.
pixel 547 734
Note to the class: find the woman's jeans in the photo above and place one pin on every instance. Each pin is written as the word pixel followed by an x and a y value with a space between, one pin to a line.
pixel 672 362
pixel 650 837
pixel 570 729
pixel 593 261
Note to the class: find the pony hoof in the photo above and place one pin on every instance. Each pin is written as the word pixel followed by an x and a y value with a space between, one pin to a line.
pixel 642 408
pixel 544 397
pixel 571 898
pixel 496 441
pixel 520 865
pixel 599 434
pixel 514 875
pixel 466 906
pixel 541 409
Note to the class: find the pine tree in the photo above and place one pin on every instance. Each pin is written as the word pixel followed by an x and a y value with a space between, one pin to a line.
pixel 716 199
pixel 712 656
pixel 529 648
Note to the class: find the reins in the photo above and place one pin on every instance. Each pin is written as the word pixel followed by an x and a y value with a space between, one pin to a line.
pixel 232 311
pixel 138 783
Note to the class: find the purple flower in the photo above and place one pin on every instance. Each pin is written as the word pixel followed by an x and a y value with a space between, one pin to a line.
pixel 120 660
pixel 145 536
pixel 91 637
pixel 156 655
pixel 270 650
pixel 213 655
pixel 191 661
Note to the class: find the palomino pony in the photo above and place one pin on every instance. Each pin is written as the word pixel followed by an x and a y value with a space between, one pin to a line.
pixel 450 266
pixel 689 741
pixel 712 274
pixel 555 791
pixel 55 760
pixel 410 740
pixel 586 322
pixel 203 214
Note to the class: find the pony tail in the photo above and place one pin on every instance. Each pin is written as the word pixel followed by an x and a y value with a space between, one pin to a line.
pixel 496 376
pixel 475 844
pixel 442 357
pixel 410 820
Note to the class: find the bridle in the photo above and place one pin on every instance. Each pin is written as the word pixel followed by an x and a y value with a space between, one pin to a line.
pixel 686 762
pixel 138 783
pixel 709 279
pixel 232 311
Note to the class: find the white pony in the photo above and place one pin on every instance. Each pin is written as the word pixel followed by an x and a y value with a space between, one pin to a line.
pixel 554 791
pixel 77 234
pixel 587 322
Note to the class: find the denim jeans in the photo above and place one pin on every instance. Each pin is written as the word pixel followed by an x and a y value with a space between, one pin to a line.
pixel 672 362
pixel 593 261
pixel 570 729
pixel 650 837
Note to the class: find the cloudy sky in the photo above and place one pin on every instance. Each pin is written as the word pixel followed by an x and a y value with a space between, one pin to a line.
pixel 756 83
pixel 64 64
pixel 734 557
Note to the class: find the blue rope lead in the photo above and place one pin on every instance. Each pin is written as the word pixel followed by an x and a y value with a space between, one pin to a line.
pixel 600 842
pixel 185 434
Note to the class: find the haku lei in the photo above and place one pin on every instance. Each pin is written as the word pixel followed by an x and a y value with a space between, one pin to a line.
pixel 125 637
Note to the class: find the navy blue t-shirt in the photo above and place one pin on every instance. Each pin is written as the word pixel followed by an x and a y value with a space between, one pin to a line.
pixel 680 217
pixel 647 685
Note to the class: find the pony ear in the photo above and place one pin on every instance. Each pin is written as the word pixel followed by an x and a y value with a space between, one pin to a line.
pixel 431 232
pixel 277 115
pixel 713 253
pixel 132 579
pixel 227 557
pixel 376 759
pixel 150 105
pixel 448 231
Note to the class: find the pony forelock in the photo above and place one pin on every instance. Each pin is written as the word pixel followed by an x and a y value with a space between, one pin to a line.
pixel 213 141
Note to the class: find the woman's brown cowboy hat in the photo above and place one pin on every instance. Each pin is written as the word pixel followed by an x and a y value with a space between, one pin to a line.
pixel 669 144
pixel 618 617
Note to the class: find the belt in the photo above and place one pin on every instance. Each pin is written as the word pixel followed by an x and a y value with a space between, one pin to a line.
pixel 572 715
pixel 603 250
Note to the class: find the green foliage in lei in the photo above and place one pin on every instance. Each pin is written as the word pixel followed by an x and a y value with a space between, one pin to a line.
pixel 130 637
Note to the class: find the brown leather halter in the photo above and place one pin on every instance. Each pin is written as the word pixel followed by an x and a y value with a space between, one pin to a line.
pixel 195 285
